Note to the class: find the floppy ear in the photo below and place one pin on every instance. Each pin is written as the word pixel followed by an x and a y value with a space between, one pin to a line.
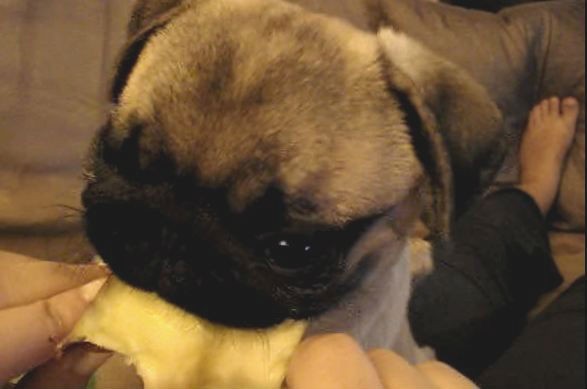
pixel 429 148
pixel 147 18
pixel 146 12
pixel 453 107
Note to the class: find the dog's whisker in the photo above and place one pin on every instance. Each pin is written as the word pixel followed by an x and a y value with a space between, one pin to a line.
pixel 76 210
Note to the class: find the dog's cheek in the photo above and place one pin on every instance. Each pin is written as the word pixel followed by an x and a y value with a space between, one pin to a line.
pixel 379 241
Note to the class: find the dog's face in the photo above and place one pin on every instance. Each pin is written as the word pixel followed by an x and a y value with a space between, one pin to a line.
pixel 257 160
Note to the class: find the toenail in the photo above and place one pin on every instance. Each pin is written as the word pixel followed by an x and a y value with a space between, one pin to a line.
pixel 570 101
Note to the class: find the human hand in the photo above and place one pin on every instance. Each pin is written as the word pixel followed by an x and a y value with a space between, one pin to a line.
pixel 40 302
pixel 336 361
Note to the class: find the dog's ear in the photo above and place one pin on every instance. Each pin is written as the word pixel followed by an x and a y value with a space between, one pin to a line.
pixel 429 147
pixel 148 17
pixel 146 13
pixel 456 112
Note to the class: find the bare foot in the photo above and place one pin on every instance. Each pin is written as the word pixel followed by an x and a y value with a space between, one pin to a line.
pixel 545 144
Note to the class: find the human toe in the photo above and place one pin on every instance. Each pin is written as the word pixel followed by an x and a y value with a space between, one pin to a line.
pixel 544 107
pixel 554 106
pixel 535 114
pixel 570 110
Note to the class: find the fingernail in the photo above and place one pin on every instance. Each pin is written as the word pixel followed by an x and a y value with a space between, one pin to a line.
pixel 89 291
pixel 89 361
pixel 93 348
pixel 98 261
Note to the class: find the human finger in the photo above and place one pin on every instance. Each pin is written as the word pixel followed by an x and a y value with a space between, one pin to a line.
pixel 444 376
pixel 31 333
pixel 332 361
pixel 72 370
pixel 24 280
pixel 396 373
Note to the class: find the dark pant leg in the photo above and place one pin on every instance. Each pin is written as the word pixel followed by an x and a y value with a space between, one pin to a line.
pixel 550 352
pixel 485 281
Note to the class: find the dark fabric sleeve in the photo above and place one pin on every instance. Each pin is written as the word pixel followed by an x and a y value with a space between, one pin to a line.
pixel 485 281
pixel 550 352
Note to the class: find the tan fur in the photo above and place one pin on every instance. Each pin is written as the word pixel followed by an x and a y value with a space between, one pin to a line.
pixel 294 99
pixel 283 97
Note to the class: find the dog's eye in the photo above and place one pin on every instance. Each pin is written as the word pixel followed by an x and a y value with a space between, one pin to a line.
pixel 291 251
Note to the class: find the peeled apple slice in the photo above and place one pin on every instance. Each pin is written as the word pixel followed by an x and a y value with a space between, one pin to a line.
pixel 173 349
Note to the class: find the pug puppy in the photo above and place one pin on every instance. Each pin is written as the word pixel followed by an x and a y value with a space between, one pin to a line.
pixel 264 162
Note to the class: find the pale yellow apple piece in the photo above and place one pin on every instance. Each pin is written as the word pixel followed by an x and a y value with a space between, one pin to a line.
pixel 172 349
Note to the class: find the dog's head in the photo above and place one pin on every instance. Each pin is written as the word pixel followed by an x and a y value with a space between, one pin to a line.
pixel 251 146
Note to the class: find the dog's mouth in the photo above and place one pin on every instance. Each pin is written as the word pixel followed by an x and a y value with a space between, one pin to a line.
pixel 209 269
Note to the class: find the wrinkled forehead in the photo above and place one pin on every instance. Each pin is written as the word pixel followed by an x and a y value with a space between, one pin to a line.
pixel 251 98
pixel 231 51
